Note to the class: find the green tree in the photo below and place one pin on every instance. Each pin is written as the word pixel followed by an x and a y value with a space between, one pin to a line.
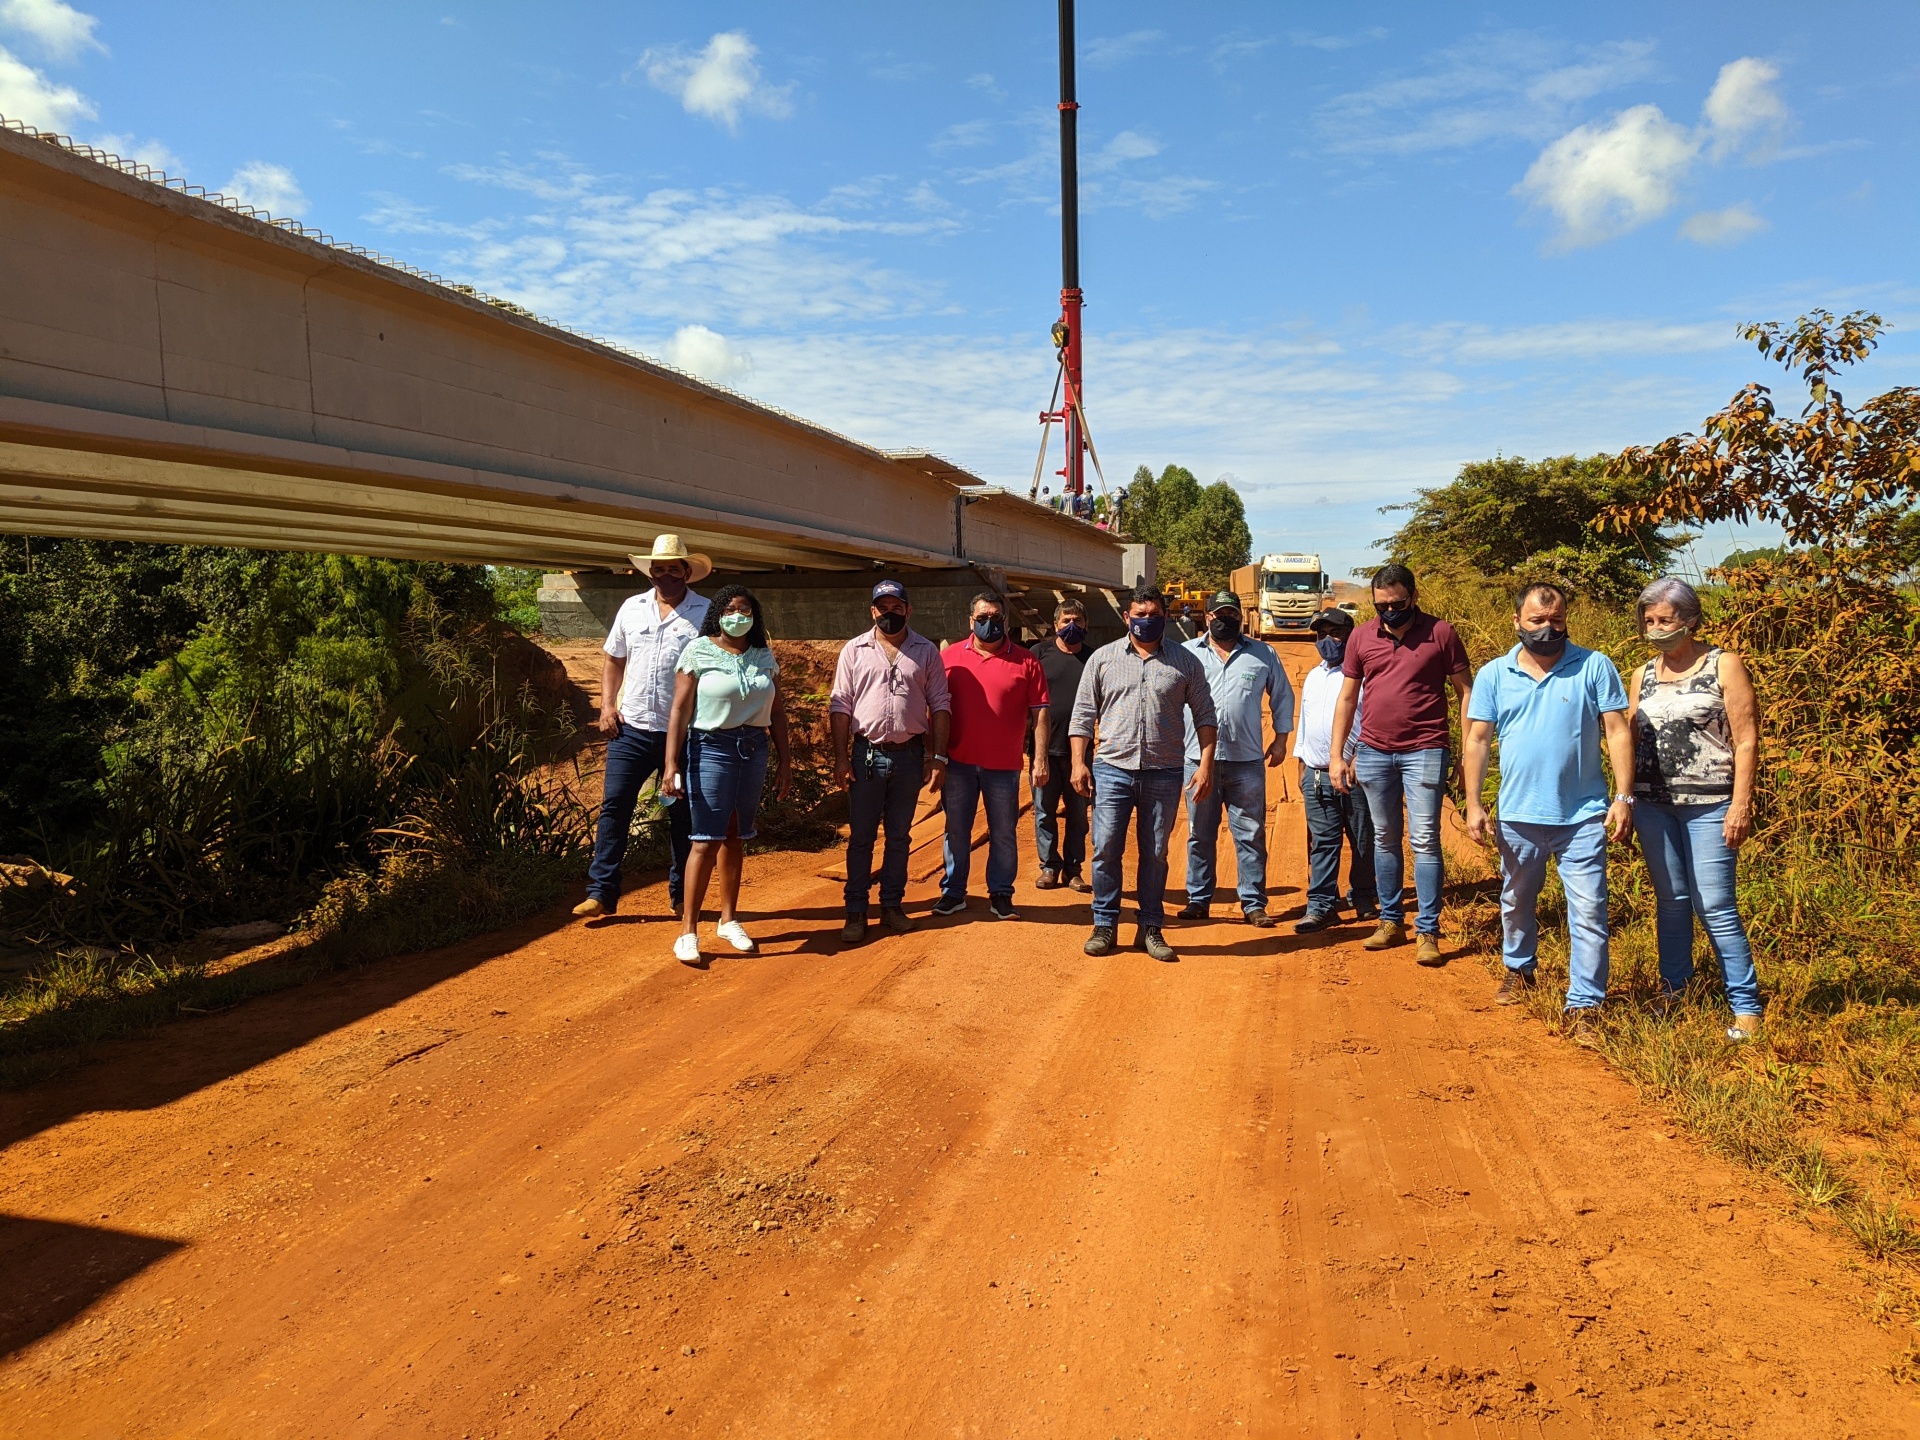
pixel 1511 519
pixel 1211 540
pixel 1155 506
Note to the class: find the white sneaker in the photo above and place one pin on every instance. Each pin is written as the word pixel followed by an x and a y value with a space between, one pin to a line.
pixel 686 949
pixel 731 932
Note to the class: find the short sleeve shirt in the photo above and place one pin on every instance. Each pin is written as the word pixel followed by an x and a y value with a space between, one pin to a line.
pixel 992 696
pixel 1549 734
pixel 1250 675
pixel 731 690
pixel 1063 669
pixel 651 647
pixel 1406 682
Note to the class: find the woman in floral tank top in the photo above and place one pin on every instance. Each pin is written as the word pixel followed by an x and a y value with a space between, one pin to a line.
pixel 1696 735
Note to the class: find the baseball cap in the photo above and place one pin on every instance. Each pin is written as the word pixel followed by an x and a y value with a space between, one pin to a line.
pixel 890 587
pixel 1223 600
pixel 1334 619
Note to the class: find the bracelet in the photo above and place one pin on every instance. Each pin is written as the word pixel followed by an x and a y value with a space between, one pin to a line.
pixel 939 759
pixel 1623 799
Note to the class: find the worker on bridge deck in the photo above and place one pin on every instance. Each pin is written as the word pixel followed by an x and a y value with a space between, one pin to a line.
pixel 637 682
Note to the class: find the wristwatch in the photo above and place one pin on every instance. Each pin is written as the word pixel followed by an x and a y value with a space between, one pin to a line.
pixel 1623 798
pixel 939 759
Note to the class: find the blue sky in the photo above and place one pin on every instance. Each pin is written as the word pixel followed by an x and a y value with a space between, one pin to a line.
pixel 1334 263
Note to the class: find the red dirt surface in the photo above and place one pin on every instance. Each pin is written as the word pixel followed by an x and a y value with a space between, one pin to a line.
pixel 962 1182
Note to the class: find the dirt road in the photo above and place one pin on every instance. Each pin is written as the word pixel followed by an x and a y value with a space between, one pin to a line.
pixel 965 1182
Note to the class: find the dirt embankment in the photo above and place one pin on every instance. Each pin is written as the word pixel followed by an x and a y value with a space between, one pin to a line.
pixel 960 1181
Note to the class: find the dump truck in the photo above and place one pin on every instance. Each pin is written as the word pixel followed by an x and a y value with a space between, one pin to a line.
pixel 1281 593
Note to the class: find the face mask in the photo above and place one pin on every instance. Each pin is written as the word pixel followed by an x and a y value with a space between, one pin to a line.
pixel 891 622
pixel 1224 628
pixel 1668 640
pixel 1332 649
pixel 1542 640
pixel 1146 628
pixel 990 629
pixel 1394 619
pixel 736 624
pixel 1072 633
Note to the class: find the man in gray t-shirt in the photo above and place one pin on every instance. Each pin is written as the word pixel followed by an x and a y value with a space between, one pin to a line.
pixel 1134 698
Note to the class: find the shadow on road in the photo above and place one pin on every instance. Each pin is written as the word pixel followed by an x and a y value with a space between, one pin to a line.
pixel 55 1270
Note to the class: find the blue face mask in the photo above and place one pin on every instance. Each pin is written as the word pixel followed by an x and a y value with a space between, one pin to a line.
pixel 1146 628
pixel 990 628
pixel 1072 633
pixel 1332 649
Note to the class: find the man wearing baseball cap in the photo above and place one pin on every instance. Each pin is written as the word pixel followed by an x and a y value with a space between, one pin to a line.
pixel 636 698
pixel 1242 675
pixel 1332 815
pixel 889 711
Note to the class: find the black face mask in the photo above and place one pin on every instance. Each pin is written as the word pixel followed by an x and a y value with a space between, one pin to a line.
pixel 1224 628
pixel 1542 640
pixel 990 629
pixel 891 622
pixel 1394 619
pixel 1332 648
pixel 1072 633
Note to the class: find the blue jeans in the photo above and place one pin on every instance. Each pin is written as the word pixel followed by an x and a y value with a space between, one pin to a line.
pixel 1420 776
pixel 886 787
pixel 1693 873
pixel 1240 788
pixel 966 786
pixel 726 771
pixel 632 756
pixel 1064 855
pixel 1331 818
pixel 1582 853
pixel 1150 799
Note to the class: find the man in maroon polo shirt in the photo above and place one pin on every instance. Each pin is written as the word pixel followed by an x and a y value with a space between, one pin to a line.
pixel 994 685
pixel 1406 659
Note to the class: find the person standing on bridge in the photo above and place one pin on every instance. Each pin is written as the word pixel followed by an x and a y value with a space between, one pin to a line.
pixel 1332 815
pixel 889 701
pixel 997 689
pixel 1245 678
pixel 1134 698
pixel 636 703
pixel 1406 659
pixel 726 707
pixel 1060 840
pixel 1548 701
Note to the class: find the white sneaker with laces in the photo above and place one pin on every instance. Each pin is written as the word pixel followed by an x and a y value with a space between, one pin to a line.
pixel 732 932
pixel 686 948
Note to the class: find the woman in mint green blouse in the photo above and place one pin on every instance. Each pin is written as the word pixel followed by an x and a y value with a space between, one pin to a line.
pixel 726 709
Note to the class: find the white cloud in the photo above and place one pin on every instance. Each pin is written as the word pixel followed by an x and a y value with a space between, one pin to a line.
pixel 56 29
pixel 1563 340
pixel 147 152
pixel 721 82
pixel 1604 180
pixel 1311 41
pixel 26 94
pixel 708 354
pixel 1743 110
pixel 268 187
pixel 1112 50
pixel 1722 227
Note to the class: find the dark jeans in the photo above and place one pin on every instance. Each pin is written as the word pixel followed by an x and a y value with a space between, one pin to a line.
pixel 966 787
pixel 632 756
pixel 886 787
pixel 1332 817
pixel 1148 802
pixel 1064 856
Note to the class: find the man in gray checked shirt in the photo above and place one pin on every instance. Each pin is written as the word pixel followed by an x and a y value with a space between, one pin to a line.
pixel 1135 694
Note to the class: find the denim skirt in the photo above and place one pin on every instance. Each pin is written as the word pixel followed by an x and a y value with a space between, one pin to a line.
pixel 726 771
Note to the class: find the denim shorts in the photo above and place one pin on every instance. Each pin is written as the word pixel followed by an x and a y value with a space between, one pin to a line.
pixel 726 770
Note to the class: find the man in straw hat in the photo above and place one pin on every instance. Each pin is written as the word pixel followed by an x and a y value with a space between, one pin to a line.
pixel 636 697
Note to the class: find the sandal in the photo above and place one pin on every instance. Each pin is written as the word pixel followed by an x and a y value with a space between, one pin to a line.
pixel 1744 1028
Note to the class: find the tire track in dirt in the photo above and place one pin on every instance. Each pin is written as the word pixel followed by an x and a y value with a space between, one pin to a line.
pixel 966 1181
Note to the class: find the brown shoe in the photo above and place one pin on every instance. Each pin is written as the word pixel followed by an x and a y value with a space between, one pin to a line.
pixel 854 932
pixel 1079 886
pixel 1514 988
pixel 1259 919
pixel 591 909
pixel 1426 951
pixel 1390 933
pixel 1046 880
pixel 1583 1026
pixel 897 920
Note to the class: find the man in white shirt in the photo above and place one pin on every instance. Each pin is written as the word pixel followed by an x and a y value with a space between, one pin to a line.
pixel 636 696
pixel 1331 814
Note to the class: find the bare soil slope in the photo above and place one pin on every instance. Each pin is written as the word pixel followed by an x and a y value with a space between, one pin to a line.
pixel 966 1182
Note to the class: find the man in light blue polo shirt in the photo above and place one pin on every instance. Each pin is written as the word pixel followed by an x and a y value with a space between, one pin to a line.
pixel 1548 701
pixel 1241 674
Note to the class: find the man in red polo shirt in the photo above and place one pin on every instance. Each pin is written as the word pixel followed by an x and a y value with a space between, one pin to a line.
pixel 994 686
pixel 1407 660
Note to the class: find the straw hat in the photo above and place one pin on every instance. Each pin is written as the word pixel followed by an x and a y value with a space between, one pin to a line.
pixel 672 547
